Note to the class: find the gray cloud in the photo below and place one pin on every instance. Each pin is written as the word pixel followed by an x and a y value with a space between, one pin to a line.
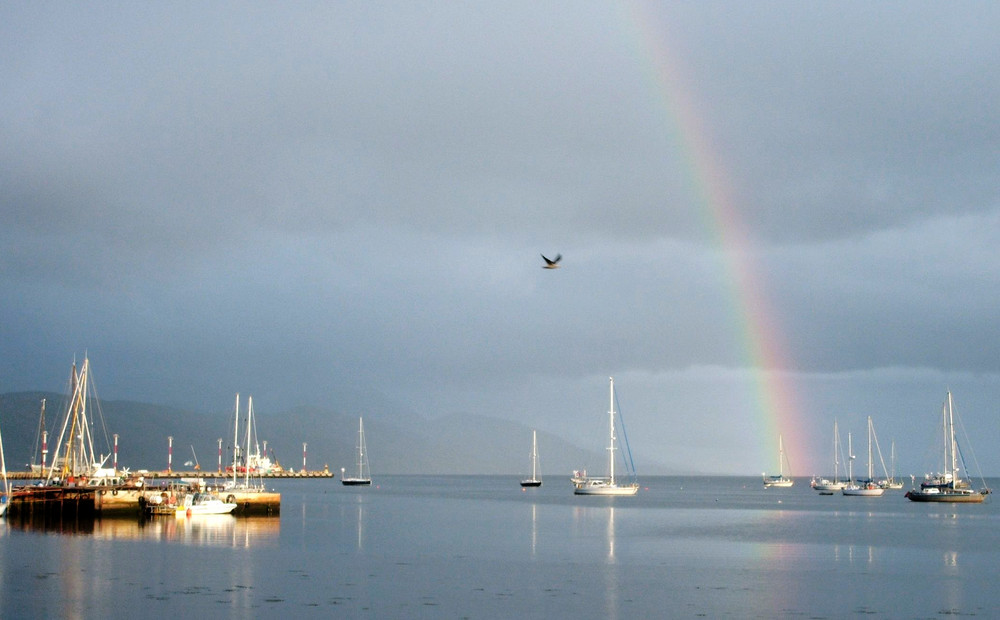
pixel 337 198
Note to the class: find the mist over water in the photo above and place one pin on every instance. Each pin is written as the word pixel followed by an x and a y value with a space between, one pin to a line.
pixel 481 547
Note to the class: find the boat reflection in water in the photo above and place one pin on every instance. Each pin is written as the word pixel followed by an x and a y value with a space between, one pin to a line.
pixel 200 530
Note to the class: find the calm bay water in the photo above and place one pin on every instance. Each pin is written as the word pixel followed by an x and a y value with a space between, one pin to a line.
pixel 480 547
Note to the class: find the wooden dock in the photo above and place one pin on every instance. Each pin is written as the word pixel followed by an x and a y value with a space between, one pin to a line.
pixel 58 503
pixel 176 475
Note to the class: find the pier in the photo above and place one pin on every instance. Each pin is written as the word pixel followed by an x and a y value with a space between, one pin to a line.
pixel 177 475
pixel 81 501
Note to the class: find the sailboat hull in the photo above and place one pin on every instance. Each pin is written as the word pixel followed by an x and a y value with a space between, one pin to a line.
pixel 531 483
pixel 355 482
pixel 781 484
pixel 863 491
pixel 826 487
pixel 599 487
pixel 954 497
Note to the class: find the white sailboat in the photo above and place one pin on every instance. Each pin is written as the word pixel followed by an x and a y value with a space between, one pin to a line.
pixel 584 485
pixel 867 487
pixel 75 459
pixel 536 479
pixel 891 482
pixel 780 480
pixel 363 476
pixel 948 486
pixel 829 487
pixel 248 464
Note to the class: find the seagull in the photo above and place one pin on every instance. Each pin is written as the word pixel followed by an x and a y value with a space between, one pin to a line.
pixel 552 264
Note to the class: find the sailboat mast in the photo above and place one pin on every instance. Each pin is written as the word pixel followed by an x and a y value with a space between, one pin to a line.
pixel 951 435
pixel 850 460
pixel 361 447
pixel 781 457
pixel 944 437
pixel 246 458
pixel 611 432
pixel 836 462
pixel 869 447
pixel 534 456
pixel 236 439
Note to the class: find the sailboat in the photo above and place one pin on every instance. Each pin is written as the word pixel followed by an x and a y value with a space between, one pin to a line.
pixel 246 487
pixel 947 486
pixel 76 459
pixel 247 459
pixel 829 487
pixel 891 482
pixel 536 479
pixel 868 487
pixel 584 485
pixel 364 471
pixel 779 480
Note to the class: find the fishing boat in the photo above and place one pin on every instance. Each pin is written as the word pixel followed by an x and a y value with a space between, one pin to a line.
pixel 585 485
pixel 868 487
pixel 364 476
pixel 829 487
pixel 193 504
pixel 536 479
pixel 779 480
pixel 947 486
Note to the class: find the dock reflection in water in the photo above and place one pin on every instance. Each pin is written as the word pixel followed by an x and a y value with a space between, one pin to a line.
pixel 200 530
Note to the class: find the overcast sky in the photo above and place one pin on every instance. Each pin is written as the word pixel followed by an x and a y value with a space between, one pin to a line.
pixel 344 205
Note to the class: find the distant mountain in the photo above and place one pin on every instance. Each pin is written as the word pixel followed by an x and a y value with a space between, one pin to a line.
pixel 397 444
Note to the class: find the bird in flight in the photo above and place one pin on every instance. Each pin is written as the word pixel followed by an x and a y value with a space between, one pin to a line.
pixel 552 264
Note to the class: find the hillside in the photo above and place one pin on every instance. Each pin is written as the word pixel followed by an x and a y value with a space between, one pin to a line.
pixel 456 444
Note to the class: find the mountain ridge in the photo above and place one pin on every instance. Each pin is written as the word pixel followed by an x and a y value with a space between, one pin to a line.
pixel 457 443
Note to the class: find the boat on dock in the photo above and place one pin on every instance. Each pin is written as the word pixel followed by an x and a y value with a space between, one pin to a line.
pixel 192 504
pixel 76 482
pixel 248 491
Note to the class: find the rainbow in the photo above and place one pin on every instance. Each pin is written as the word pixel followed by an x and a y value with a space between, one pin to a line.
pixel 756 324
